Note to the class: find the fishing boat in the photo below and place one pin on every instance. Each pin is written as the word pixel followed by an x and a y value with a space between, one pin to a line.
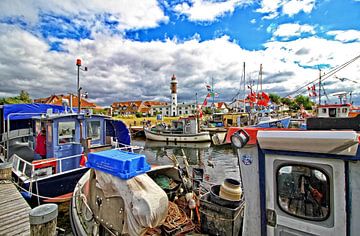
pixel 297 182
pixel 65 137
pixel 182 130
pixel 123 199
pixel 263 121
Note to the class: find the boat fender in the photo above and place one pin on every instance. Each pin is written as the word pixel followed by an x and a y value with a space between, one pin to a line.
pixel 83 160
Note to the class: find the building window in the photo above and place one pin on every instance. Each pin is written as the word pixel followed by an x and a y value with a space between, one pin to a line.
pixel 179 112
pixel 303 192
pixel 66 132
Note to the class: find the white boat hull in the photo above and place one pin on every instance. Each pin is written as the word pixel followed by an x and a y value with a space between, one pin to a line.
pixel 158 136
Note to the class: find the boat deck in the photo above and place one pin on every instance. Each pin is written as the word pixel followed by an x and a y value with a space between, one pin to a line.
pixel 14 211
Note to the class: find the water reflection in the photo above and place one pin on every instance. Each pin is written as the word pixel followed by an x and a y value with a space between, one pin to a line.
pixel 218 162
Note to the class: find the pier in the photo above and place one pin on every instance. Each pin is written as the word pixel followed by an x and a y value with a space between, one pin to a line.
pixel 14 210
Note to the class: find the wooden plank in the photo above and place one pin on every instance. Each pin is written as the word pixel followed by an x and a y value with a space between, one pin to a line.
pixel 14 211
pixel 20 231
pixel 10 197
pixel 14 225
pixel 12 206
pixel 15 218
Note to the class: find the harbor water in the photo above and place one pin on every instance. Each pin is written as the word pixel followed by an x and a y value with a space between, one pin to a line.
pixel 217 163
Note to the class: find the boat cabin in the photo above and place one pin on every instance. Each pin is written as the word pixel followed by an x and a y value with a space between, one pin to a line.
pixel 300 182
pixel 333 110
pixel 229 119
pixel 66 137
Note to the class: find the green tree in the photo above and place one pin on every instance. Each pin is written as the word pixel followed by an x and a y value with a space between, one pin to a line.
pixel 138 114
pixel 275 98
pixel 22 98
pixel 305 101
pixel 25 97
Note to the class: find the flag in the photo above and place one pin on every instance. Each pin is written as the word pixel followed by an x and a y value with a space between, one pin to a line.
pixel 205 102
pixel 200 113
pixel 208 88
pixel 208 96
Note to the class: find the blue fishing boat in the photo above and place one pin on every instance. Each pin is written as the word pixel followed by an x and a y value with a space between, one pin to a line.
pixel 47 146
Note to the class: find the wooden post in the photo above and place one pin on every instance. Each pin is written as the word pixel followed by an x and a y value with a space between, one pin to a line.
pixel 5 171
pixel 43 220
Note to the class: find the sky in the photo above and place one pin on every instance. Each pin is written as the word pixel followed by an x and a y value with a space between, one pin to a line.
pixel 132 48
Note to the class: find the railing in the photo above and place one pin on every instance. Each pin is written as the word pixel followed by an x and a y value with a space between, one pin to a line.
pixel 45 167
pixel 13 134
pixel 6 137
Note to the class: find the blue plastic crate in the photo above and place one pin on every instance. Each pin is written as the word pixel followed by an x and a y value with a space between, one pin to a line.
pixel 124 165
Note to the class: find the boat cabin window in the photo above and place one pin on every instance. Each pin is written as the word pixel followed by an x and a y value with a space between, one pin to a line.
pixel 324 110
pixel 332 112
pixel 303 191
pixel 344 110
pixel 66 132
pixel 94 128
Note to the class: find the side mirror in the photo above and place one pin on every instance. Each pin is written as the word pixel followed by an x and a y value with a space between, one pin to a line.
pixel 240 138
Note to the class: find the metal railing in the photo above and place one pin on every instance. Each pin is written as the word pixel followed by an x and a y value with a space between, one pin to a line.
pixel 30 171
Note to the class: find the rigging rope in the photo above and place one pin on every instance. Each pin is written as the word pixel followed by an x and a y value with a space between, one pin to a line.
pixel 326 75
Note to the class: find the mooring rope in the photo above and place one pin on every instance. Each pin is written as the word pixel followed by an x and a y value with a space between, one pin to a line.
pixel 39 196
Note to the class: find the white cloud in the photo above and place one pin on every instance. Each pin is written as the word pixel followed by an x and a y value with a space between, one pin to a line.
pixel 205 10
pixel 293 7
pixel 273 8
pixel 253 21
pixel 345 35
pixel 121 69
pixel 130 14
pixel 290 29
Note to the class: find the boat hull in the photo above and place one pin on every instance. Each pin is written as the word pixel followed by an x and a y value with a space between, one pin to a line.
pixel 158 136
pixel 279 123
pixel 53 188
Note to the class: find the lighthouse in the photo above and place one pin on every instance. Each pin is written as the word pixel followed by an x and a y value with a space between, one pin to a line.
pixel 173 88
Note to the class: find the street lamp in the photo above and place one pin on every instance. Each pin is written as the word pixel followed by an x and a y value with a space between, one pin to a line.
pixel 78 64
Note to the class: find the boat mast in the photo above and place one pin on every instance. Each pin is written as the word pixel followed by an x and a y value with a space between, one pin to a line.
pixel 213 94
pixel 244 81
pixel 319 86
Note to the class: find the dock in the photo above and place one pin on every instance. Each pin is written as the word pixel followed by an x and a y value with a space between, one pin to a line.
pixel 14 211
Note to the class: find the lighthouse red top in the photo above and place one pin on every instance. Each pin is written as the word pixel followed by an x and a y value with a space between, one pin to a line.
pixel 173 86
pixel 78 62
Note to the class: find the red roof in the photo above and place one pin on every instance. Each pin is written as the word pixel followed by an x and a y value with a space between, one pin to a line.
pixel 58 99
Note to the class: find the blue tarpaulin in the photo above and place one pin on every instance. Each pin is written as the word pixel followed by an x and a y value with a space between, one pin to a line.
pixel 119 130
pixel 37 108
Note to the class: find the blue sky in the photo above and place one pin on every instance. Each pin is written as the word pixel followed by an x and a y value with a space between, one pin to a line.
pixel 132 48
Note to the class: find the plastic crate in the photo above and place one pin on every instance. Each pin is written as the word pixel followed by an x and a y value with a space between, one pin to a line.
pixel 124 165
pixel 220 220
